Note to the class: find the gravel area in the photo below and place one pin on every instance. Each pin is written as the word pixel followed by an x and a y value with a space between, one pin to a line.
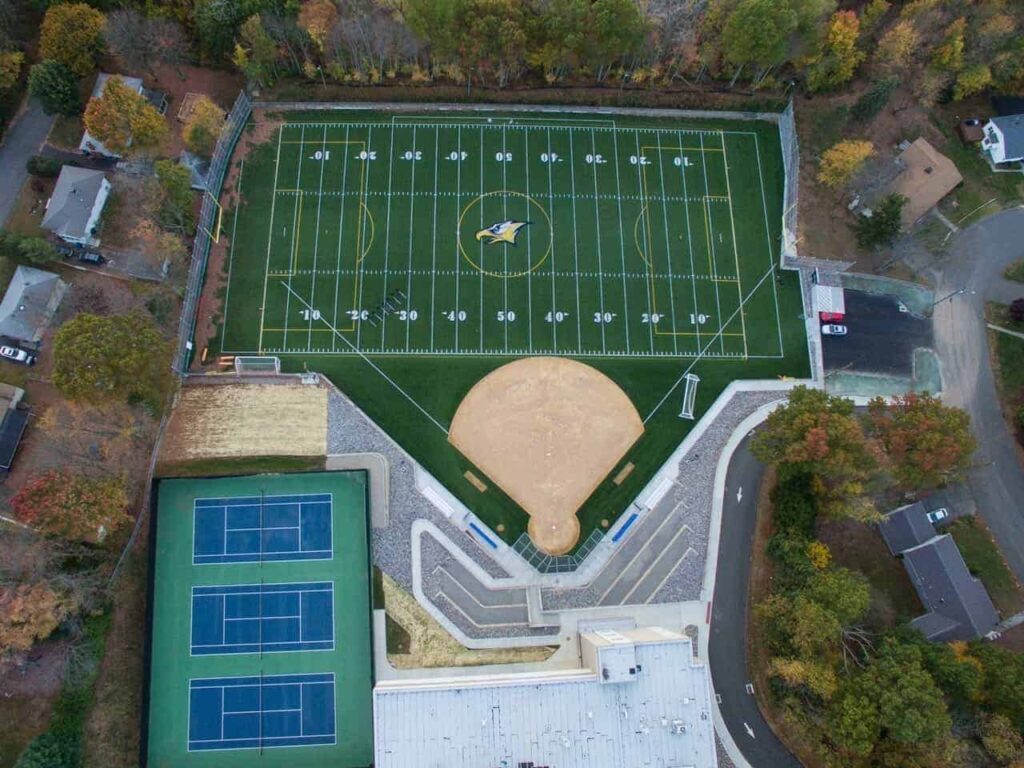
pixel 724 761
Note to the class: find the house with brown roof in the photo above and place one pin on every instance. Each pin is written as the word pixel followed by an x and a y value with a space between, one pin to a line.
pixel 924 177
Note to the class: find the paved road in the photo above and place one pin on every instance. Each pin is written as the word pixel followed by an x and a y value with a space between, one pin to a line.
pixel 976 262
pixel 23 139
pixel 728 642
pixel 881 339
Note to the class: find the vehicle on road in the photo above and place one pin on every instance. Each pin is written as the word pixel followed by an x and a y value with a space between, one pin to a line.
pixel 938 515
pixel 17 355
pixel 831 317
pixel 91 257
pixel 833 330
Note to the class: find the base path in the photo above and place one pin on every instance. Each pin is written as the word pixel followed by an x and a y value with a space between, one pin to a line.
pixel 547 430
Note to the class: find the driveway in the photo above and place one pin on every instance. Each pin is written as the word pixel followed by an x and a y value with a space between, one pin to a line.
pixel 976 262
pixel 727 644
pixel 23 139
pixel 881 339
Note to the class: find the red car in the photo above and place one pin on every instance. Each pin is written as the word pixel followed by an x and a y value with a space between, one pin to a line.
pixel 831 317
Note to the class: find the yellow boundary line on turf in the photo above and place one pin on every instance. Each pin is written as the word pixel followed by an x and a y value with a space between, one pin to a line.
pixel 706 206
pixel 505 275
pixel 363 244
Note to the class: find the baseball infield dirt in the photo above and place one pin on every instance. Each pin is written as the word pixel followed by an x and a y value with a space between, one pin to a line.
pixel 547 431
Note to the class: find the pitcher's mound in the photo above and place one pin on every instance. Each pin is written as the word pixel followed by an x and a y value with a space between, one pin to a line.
pixel 547 431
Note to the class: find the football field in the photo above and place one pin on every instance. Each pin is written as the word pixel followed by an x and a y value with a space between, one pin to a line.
pixel 451 235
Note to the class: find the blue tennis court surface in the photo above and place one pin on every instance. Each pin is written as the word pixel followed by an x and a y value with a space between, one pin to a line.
pixel 252 528
pixel 268 711
pixel 267 618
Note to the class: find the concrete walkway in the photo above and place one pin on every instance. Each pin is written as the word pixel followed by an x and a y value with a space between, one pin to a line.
pixel 24 138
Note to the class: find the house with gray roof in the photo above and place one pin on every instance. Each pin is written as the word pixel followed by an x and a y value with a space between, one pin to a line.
pixel 30 303
pixel 74 209
pixel 1004 139
pixel 957 605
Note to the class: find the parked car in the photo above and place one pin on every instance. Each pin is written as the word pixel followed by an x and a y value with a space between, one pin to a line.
pixel 832 317
pixel 938 515
pixel 65 251
pixel 17 355
pixel 833 330
pixel 91 257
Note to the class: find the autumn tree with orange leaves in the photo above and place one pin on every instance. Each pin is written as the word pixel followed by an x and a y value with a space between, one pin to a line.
pixel 74 507
pixel 927 443
pixel 29 612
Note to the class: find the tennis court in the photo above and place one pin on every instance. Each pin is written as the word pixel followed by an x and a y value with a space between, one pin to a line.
pixel 260 633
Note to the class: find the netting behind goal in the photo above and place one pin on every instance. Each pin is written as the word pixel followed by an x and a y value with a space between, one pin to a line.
pixel 268 365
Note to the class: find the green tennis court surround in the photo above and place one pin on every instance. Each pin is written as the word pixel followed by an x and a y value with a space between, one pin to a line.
pixel 407 256
pixel 260 636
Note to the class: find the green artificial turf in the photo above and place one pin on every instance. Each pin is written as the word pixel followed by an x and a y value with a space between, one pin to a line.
pixel 648 250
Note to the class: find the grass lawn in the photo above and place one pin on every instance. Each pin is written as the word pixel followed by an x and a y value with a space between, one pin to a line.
pixel 1008 358
pixel 250 465
pixel 986 562
pixel 26 216
pixel 1015 272
pixel 366 247
pixel 66 132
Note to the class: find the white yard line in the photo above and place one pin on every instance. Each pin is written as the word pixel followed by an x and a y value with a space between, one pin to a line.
pixel 597 233
pixel 735 253
pixel 644 227
pixel 458 255
pixel 576 250
pixel 554 305
pixel 270 239
pixel 689 243
pixel 316 238
pixel 622 239
pixel 433 244
pixel 292 255
pixel 364 213
pixel 668 251
pixel 341 235
pixel 412 235
pixel 529 248
pixel 711 240
pixel 387 230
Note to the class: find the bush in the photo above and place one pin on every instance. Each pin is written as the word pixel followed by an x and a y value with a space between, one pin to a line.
pixel 50 750
pixel 46 167
pixel 795 507
pixel 883 225
pixel 32 249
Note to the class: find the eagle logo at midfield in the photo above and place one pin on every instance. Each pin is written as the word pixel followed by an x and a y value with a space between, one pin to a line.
pixel 502 232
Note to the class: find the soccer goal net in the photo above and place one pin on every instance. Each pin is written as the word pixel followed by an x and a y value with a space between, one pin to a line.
pixel 255 366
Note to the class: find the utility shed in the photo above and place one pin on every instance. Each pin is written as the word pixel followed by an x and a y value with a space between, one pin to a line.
pixel 641 700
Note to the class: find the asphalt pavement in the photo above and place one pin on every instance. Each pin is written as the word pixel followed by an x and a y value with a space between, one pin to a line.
pixel 881 338
pixel 24 138
pixel 727 649
pixel 970 275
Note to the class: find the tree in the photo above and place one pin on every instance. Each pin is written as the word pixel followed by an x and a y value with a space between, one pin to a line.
pixel 55 86
pixel 843 159
pixel 72 506
pixel 884 223
pixel 873 14
pixel 948 56
pixel 165 246
pixel 615 33
pixel 29 612
pixel 844 593
pixel 122 118
pixel 757 33
pixel 317 17
pixel 1002 681
pixel 928 443
pixel 840 56
pixel 817 677
pixel 819 435
pixel 172 197
pixel 72 33
pixel 874 99
pixel 23 248
pixel 898 47
pixel 494 44
pixel 216 22
pixel 255 52
pixel 10 69
pixel 971 80
pixel 122 357
pixel 1001 739
pixel 203 126
pixel 143 41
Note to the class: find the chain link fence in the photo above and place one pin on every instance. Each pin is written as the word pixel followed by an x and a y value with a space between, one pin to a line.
pixel 208 215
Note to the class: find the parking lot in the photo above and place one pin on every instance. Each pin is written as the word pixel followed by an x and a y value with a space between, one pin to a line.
pixel 880 339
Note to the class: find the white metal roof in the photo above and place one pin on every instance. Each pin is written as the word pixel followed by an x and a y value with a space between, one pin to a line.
pixel 660 717
pixel 829 298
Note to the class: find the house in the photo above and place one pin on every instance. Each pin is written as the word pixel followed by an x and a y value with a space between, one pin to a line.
pixel 90 145
pixel 957 605
pixel 12 423
pixel 30 303
pixel 1004 139
pixel 924 177
pixel 74 209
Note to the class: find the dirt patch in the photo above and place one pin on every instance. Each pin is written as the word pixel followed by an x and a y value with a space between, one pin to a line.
pixel 26 217
pixel 547 431
pixel 234 420
pixel 431 646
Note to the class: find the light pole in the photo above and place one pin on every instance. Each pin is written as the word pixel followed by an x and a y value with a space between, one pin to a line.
pixel 951 295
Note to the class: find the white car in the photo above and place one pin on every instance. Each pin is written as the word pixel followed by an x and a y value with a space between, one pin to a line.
pixel 833 330
pixel 17 355
pixel 938 515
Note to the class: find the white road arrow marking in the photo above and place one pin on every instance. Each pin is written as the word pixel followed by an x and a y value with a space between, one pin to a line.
pixel 750 731
pixel 739 495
